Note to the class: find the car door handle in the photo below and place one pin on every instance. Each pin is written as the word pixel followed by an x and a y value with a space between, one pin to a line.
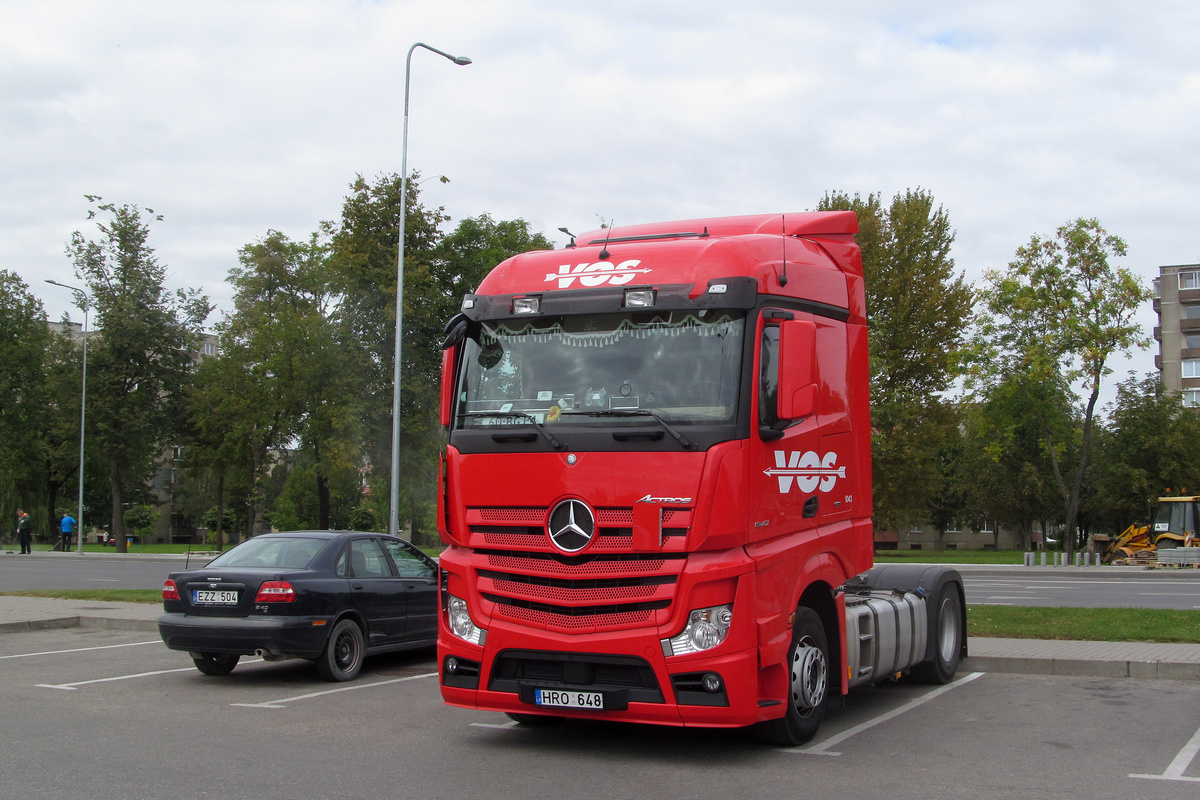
pixel 356 586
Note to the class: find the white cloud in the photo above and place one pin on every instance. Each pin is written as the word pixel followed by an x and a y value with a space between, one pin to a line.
pixel 231 118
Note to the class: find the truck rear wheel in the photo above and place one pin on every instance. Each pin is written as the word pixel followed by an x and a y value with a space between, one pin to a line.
pixel 808 679
pixel 946 632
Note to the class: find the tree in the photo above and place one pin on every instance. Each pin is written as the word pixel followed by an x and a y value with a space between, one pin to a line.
pixel 251 398
pixel 1006 470
pixel 918 311
pixel 1150 448
pixel 138 364
pixel 1059 313
pixel 23 342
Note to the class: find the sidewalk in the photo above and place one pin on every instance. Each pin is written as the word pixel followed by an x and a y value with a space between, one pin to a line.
pixel 1024 656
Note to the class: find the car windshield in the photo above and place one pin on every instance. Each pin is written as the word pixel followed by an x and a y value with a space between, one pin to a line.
pixel 679 366
pixel 276 552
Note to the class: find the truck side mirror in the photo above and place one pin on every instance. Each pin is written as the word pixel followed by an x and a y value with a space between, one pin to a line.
pixel 797 368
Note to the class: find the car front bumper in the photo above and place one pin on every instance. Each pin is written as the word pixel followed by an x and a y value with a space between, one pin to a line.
pixel 302 637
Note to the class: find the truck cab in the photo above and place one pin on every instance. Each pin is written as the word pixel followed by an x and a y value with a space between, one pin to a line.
pixel 656 493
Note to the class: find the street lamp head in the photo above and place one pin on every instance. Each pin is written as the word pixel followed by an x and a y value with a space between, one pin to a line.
pixel 462 61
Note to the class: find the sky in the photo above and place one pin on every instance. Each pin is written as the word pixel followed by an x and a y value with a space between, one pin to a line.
pixel 231 119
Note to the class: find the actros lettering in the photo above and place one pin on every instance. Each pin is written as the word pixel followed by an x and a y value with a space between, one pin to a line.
pixel 808 471
pixel 683 501
pixel 596 274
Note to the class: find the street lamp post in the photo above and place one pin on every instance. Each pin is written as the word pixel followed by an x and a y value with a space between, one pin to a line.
pixel 84 303
pixel 394 510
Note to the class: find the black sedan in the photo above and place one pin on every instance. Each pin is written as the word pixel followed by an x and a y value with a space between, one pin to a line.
pixel 330 596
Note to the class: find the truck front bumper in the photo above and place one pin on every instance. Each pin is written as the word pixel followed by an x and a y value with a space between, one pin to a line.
pixel 635 681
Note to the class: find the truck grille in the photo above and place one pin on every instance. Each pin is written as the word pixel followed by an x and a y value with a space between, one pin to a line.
pixel 525 528
pixel 588 593
pixel 628 674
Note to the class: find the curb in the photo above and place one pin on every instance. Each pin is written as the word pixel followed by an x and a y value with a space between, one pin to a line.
pixel 112 623
pixel 1084 668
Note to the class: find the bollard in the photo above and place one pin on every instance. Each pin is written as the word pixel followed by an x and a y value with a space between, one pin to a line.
pixel 1043 558
pixel 1079 559
pixel 1029 559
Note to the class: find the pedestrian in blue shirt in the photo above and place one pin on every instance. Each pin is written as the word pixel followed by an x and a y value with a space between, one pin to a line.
pixel 68 528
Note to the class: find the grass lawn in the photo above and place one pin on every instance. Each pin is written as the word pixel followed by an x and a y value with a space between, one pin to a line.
pixel 950 557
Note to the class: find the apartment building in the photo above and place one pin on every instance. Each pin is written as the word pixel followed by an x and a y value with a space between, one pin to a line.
pixel 1177 303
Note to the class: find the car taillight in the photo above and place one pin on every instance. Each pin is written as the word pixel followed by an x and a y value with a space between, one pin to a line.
pixel 275 592
pixel 169 590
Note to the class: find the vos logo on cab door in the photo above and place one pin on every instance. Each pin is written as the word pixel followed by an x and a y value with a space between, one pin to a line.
pixel 808 471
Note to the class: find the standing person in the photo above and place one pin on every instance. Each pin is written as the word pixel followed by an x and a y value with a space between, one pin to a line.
pixel 67 527
pixel 25 531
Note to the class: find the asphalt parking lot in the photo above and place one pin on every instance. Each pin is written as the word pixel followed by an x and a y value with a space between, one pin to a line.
pixel 91 712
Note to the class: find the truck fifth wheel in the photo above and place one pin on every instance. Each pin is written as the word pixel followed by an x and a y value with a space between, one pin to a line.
pixel 656 496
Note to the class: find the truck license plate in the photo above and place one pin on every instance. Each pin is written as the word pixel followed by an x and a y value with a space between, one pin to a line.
pixel 565 699
pixel 209 597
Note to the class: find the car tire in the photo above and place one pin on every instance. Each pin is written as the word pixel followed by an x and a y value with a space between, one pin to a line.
pixel 946 632
pixel 215 663
pixel 343 655
pixel 809 676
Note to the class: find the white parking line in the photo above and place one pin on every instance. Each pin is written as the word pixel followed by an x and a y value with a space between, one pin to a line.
pixel 822 749
pixel 1176 768
pixel 80 649
pixel 279 703
pixel 500 725
pixel 70 687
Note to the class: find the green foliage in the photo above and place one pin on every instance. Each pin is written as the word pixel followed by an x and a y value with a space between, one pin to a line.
pixel 23 342
pixel 364 518
pixel 138 364
pixel 142 518
pixel 918 311
pixel 1150 449
pixel 1058 315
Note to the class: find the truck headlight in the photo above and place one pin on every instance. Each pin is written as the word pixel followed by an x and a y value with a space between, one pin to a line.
pixel 706 628
pixel 461 624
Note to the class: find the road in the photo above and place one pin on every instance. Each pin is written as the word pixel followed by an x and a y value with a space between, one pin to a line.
pixel 1108 587
pixel 1087 588
pixel 103 713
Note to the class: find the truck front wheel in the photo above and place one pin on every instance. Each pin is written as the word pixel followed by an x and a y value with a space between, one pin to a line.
pixel 808 678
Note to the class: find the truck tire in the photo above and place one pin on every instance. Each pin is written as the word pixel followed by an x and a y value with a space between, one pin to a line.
pixel 946 634
pixel 808 684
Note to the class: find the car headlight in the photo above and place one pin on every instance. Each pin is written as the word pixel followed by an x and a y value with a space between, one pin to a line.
pixel 461 624
pixel 706 628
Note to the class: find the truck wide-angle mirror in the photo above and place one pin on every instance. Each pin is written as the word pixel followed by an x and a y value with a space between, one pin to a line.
pixel 797 368
pixel 449 360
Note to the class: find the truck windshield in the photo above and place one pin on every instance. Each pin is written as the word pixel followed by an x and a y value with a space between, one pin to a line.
pixel 682 366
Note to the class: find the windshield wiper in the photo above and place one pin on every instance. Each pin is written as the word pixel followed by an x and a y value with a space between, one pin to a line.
pixel 555 443
pixel 638 412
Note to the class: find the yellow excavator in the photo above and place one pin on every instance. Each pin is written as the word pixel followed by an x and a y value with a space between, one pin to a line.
pixel 1174 526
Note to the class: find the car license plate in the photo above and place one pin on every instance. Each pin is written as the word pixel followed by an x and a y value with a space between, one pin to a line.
pixel 211 597
pixel 564 699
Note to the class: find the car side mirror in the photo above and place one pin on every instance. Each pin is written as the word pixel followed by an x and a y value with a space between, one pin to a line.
pixel 797 369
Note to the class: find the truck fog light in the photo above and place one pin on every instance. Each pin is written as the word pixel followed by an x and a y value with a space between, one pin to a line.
pixel 711 682
pixel 706 628
pixel 451 665
pixel 460 622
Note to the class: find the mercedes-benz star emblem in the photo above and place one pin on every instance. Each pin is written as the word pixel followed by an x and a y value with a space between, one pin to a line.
pixel 571 526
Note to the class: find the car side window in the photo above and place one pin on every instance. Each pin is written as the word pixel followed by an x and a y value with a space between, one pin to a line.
pixel 409 561
pixel 367 560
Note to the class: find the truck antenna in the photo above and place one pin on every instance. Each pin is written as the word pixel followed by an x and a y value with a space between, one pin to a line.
pixel 604 254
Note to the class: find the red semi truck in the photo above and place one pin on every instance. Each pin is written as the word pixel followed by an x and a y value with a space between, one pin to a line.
pixel 656 495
